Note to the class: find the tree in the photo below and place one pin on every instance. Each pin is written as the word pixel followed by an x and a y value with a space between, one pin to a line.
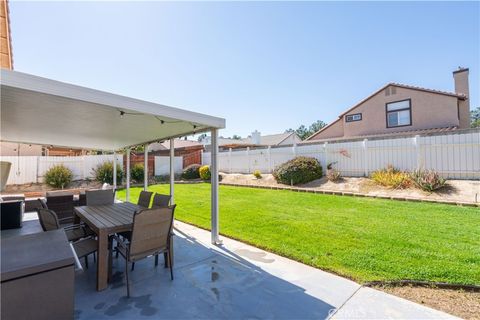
pixel 303 132
pixel 475 118
pixel 236 137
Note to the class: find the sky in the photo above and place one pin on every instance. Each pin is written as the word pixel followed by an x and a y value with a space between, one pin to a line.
pixel 265 66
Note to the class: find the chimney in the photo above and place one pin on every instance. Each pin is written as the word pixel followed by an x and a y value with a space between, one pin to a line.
pixel 256 137
pixel 460 77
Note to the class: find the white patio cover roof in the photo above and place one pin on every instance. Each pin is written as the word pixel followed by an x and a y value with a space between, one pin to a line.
pixel 37 110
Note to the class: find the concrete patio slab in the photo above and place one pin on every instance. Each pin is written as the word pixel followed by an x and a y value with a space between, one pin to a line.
pixel 232 281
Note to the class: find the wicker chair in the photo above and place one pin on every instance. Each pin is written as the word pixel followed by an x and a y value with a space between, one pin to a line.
pixel 161 200
pixel 100 197
pixel 83 243
pixel 144 199
pixel 62 203
pixel 151 235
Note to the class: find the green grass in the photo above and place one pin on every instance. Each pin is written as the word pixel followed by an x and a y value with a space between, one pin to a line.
pixel 364 239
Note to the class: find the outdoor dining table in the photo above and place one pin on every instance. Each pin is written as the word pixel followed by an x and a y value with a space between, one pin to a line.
pixel 105 220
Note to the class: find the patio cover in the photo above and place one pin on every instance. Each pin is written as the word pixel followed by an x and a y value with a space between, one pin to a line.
pixel 37 110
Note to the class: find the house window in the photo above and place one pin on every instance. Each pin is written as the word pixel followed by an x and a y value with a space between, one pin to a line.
pixel 399 113
pixel 353 117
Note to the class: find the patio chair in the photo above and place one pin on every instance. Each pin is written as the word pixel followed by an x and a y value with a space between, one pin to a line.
pixel 100 197
pixel 161 200
pixel 144 199
pixel 78 234
pixel 49 221
pixel 62 203
pixel 151 235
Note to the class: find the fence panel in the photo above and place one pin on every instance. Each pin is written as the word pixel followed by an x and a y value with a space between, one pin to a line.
pixel 162 165
pixel 32 169
pixel 23 169
pixel 454 155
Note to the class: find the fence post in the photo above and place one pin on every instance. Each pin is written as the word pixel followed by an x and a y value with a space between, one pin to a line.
pixel 38 166
pixel 269 155
pixel 248 159
pixel 365 164
pixel 230 160
pixel 325 150
pixel 417 151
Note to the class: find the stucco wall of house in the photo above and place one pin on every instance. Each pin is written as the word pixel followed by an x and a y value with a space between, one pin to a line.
pixel 15 149
pixel 334 130
pixel 428 110
pixel 293 139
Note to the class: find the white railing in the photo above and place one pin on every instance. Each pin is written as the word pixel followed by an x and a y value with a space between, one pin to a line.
pixel 454 155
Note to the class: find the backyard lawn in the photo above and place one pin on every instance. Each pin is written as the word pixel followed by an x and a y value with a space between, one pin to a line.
pixel 364 239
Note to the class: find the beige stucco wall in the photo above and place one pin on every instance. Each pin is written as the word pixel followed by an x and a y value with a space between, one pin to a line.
pixel 11 149
pixel 335 130
pixel 293 139
pixel 429 110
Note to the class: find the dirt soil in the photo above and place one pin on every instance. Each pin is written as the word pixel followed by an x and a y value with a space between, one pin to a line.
pixel 463 304
pixel 456 190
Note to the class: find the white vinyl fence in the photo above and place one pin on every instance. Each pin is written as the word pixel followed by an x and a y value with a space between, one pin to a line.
pixel 31 169
pixel 162 165
pixel 454 155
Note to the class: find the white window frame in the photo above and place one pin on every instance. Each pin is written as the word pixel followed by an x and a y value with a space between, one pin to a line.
pixel 353 117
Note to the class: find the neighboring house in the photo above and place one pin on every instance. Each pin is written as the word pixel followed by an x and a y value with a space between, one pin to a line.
pixel 256 140
pixel 397 108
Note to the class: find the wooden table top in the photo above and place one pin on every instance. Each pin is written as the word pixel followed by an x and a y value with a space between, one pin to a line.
pixel 115 217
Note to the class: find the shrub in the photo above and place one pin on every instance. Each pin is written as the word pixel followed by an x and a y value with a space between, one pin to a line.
pixel 427 180
pixel 205 172
pixel 137 173
pixel 191 172
pixel 257 174
pixel 58 176
pixel 104 173
pixel 298 170
pixel 333 175
pixel 392 177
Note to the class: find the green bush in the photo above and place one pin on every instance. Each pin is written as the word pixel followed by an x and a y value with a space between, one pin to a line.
pixel 298 170
pixel 205 172
pixel 257 174
pixel 392 177
pixel 58 176
pixel 191 172
pixel 427 180
pixel 137 173
pixel 104 173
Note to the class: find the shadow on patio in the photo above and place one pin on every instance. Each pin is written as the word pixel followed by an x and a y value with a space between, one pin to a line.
pixel 210 282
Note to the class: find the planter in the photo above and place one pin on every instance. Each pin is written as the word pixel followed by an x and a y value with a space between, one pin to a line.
pixel 4 172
